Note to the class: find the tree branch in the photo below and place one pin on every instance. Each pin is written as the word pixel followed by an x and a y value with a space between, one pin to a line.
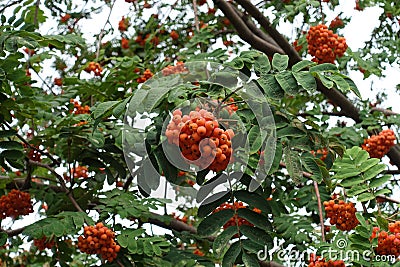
pixel 243 31
pixel 61 181
pixel 13 232
pixel 387 112
pixel 321 217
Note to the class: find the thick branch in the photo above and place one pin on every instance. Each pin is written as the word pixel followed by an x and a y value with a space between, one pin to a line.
pixel 294 57
pixel 13 232
pixel 243 31
pixel 384 111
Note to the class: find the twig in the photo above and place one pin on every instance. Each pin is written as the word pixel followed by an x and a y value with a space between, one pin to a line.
pixel 61 181
pixel 35 18
pixel 384 111
pixel 102 31
pixel 9 4
pixel 321 217
pixel 196 18
pixel 13 232
pixel 394 172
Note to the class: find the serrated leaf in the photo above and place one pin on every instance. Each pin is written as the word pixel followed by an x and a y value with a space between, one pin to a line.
pixel 255 218
pixel 356 190
pixel 214 222
pixel 11 145
pixel 222 240
pixel 3 238
pixel 271 86
pixel 311 165
pixel 254 137
pixel 347 174
pixel 374 171
pixel 306 80
pixel 206 209
pixel 380 181
pixel 290 131
pixel 280 62
pixel 287 82
pixel 353 87
pixel 302 65
pixel 262 64
pixel 325 81
pixel 231 255
pixel 236 63
pixel 365 197
pixel 250 260
pixel 293 165
pixel 256 235
pixel 324 67
pixel 104 109
pixel 253 199
pixel 368 164
pixel 341 84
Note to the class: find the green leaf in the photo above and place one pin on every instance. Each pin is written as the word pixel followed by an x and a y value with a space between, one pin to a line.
pixel 255 218
pixel 356 190
pixel 236 63
pixel 214 222
pixel 365 197
pixel 302 65
pixel 380 181
pixel 368 164
pixel 341 84
pixel 12 154
pixel 206 209
pixel 250 260
pixel 11 145
pixel 253 199
pixel 256 235
pixel 287 82
pixel 97 139
pixel 262 64
pixel 324 67
pixel 348 174
pixel 7 133
pixel 293 165
pixel 3 238
pixel 280 62
pixel 104 109
pixel 325 81
pixel 290 131
pixel 271 86
pixel 374 171
pixel 231 254
pixel 254 137
pixel 201 176
pixel 306 80
pixel 222 240
pixel 311 165
pixel 353 87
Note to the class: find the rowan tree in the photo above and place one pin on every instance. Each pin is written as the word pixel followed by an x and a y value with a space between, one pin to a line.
pixel 263 139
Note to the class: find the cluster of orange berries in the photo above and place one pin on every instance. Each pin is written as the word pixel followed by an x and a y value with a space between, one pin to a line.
pixel 174 35
pixel 296 46
pixel 123 24
pixel 78 172
pixel 318 261
pixel 189 131
pixel 99 240
pixel 321 153
pixel 378 145
pixel 342 214
pixel 43 243
pixel 58 81
pixel 124 43
pixel 29 52
pixel 15 203
pixel 141 40
pixel 324 45
pixel 34 155
pixel 147 74
pixel 78 109
pixel 336 23
pixel 95 67
pixel 65 18
pixel 235 219
pixel 178 68
pixel 388 242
